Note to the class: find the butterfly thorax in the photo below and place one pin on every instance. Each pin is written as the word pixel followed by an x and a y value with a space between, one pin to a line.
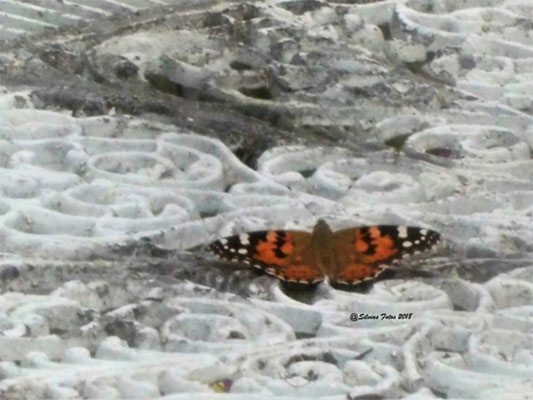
pixel 322 246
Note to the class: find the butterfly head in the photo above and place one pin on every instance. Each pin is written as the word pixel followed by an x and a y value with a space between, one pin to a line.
pixel 322 231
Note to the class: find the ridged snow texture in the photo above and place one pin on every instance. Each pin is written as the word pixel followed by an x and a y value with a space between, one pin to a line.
pixel 73 190
pixel 31 16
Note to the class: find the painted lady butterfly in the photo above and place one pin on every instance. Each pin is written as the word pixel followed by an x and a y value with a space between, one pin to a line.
pixel 349 256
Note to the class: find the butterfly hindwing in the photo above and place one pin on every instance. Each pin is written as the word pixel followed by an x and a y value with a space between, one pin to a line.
pixel 284 254
pixel 356 273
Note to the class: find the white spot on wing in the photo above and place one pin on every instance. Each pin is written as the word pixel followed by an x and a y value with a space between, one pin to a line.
pixel 423 232
pixel 407 244
pixel 243 251
pixel 244 238
pixel 402 232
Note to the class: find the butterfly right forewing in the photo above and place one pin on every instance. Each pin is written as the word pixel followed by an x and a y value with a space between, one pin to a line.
pixel 364 253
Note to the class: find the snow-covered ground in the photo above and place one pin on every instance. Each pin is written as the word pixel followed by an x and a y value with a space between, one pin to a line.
pixel 411 112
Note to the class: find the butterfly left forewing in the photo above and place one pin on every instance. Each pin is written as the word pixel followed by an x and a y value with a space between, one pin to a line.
pixel 284 254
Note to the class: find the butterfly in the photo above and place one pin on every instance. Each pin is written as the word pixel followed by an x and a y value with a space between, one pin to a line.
pixel 347 257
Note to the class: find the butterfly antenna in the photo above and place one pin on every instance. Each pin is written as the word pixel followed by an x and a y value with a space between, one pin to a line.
pixel 295 196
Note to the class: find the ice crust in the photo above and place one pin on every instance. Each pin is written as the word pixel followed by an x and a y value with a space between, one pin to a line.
pixel 86 313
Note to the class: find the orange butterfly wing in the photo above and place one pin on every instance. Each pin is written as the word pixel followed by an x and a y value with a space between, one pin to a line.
pixel 285 254
pixel 364 253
